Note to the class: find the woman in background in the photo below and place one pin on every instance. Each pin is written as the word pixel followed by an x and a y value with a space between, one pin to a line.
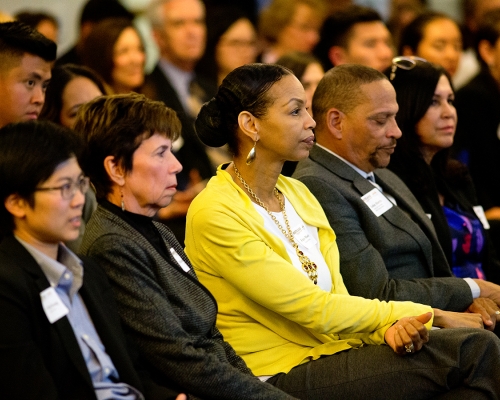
pixel 231 42
pixel 286 25
pixel 427 119
pixel 307 69
pixel 115 51
pixel 435 37
pixel 72 86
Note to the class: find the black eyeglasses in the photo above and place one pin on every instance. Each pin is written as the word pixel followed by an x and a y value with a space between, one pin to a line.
pixel 69 189
pixel 404 62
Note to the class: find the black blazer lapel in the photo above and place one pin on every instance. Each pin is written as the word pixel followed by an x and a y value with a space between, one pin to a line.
pixel 62 326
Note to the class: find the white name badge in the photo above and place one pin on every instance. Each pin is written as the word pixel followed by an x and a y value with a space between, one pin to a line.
pixel 480 214
pixel 377 202
pixel 179 260
pixel 52 305
pixel 301 234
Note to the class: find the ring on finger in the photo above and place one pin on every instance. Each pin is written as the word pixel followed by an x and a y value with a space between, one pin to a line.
pixel 409 348
pixel 497 312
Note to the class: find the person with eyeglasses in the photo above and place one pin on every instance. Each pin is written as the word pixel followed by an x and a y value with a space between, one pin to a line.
pixel 443 186
pixel 61 335
pixel 388 246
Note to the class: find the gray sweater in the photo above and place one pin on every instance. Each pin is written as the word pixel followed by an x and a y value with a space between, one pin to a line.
pixel 169 314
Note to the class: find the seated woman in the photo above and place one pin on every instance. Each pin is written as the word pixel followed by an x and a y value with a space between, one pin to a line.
pixel 262 245
pixel 115 51
pixel 61 336
pixel 427 119
pixel 71 86
pixel 165 310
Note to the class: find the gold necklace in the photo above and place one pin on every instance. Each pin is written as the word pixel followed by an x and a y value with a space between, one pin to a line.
pixel 307 265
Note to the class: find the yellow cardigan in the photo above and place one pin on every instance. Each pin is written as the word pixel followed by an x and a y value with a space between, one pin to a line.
pixel 273 316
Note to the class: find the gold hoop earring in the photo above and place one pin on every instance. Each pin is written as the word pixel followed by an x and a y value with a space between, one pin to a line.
pixel 252 154
pixel 123 203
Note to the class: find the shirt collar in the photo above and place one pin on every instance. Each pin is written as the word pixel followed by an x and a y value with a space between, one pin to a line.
pixel 54 269
pixel 359 171
pixel 178 78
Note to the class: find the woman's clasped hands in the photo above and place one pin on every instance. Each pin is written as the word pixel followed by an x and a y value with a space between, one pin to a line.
pixel 408 335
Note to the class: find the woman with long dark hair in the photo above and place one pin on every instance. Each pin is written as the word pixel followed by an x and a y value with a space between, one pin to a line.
pixel 427 118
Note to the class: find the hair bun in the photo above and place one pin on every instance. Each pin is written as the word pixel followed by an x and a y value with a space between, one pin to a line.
pixel 209 125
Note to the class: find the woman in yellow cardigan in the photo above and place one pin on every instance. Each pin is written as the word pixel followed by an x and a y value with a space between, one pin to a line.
pixel 262 245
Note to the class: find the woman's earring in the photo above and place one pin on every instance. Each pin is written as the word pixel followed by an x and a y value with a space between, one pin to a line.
pixel 251 154
pixel 123 203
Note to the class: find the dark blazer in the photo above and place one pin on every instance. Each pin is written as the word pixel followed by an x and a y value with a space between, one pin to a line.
pixel 40 360
pixel 168 313
pixel 192 155
pixel 395 256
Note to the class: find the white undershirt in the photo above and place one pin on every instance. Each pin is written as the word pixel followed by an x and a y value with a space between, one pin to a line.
pixel 306 237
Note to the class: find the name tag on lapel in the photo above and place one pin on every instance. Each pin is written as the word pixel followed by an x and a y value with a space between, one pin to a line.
pixel 179 260
pixel 377 202
pixel 52 305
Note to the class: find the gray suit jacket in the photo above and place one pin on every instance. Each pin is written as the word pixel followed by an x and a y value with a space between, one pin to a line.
pixel 395 256
pixel 169 314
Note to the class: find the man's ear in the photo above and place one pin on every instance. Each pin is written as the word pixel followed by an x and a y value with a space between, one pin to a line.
pixel 16 205
pixel 114 170
pixel 334 120
pixel 486 52
pixel 337 55
pixel 249 125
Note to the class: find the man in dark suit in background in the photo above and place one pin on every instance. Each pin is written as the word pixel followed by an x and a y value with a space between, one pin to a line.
pixel 388 247
pixel 180 33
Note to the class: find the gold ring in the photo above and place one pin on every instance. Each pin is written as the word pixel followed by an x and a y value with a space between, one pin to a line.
pixel 409 348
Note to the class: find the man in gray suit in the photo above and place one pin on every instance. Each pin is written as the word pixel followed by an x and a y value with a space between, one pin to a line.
pixel 388 247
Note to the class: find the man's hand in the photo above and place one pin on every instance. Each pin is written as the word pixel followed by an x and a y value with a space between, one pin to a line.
pixel 489 290
pixel 408 335
pixel 488 311
pixel 449 319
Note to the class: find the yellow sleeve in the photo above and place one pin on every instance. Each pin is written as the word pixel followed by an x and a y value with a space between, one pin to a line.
pixel 229 242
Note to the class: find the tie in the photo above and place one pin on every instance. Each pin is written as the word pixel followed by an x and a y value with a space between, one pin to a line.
pixel 371 178
pixel 195 99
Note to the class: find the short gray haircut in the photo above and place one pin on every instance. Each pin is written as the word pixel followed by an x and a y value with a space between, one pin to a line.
pixel 155 14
